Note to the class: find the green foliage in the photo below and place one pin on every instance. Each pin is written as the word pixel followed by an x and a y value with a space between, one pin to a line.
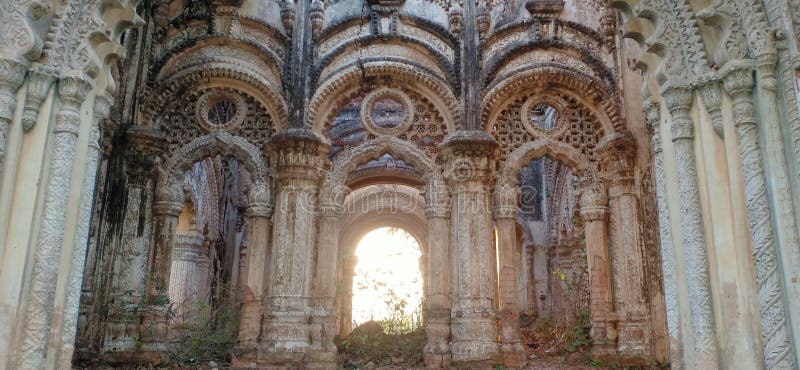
pixel 208 337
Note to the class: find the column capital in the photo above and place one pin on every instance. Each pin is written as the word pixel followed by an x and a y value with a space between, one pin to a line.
pixel 738 79
pixel 469 159
pixel 652 115
pixel 143 147
pixel 617 154
pixel 593 201
pixel 678 100
pixel 739 82
pixel 298 154
pixel 437 200
pixel 73 91
pixel 12 74
pixel 39 80
pixel 506 197
pixel 711 95
pixel 259 201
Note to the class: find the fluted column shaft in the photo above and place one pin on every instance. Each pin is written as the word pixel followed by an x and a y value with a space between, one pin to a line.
pixel 324 328
pixel 668 262
pixel 633 327
pixel 12 75
pixel 437 315
pixel 47 252
pixel 705 350
pixel 77 264
pixel 778 351
pixel 469 163
pixel 505 220
pixel 594 210
pixel 183 274
pixel 259 213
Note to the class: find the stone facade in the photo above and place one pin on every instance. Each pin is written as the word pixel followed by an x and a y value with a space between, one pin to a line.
pixel 159 152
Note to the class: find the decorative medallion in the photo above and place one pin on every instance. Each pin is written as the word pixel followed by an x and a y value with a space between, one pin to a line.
pixel 220 110
pixel 387 112
pixel 542 116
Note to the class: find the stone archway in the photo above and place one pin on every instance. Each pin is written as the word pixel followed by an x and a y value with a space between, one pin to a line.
pixel 169 204
pixel 610 216
pixel 367 209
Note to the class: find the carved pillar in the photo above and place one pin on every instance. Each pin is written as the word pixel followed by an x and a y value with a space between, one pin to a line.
pixel 183 275
pixel 324 323
pixel 258 215
pixel 166 210
pixel 47 251
pixel 437 330
pixel 469 160
pixel 297 159
pixel 668 262
pixel 102 106
pixel 679 102
pixel 11 76
pixel 505 219
pixel 633 327
pixel 594 210
pixel 775 332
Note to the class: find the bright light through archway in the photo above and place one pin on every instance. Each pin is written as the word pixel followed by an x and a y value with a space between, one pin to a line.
pixel 387 274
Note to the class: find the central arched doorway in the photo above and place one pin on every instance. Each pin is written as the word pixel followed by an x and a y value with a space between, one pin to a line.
pixel 387 281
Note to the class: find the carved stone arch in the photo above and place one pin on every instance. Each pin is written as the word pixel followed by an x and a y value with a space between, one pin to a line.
pixel 222 74
pixel 442 62
pixel 595 95
pixel 344 84
pixel 520 157
pixel 217 143
pixel 85 34
pixel 334 182
pixel 220 143
pixel 495 63
pixel 165 66
pixel 367 209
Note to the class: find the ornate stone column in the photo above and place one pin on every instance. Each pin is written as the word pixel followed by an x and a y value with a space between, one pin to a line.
pixel 183 275
pixel 323 327
pixel 12 74
pixel 47 251
pixel 505 219
pixel 256 269
pixel 678 100
pixel 297 157
pixel 469 161
pixel 633 327
pixel 102 107
pixel 668 262
pixel 594 210
pixel 166 210
pixel 437 311
pixel 778 351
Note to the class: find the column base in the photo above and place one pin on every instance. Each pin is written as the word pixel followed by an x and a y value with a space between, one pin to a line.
pixel 634 342
pixel 514 355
